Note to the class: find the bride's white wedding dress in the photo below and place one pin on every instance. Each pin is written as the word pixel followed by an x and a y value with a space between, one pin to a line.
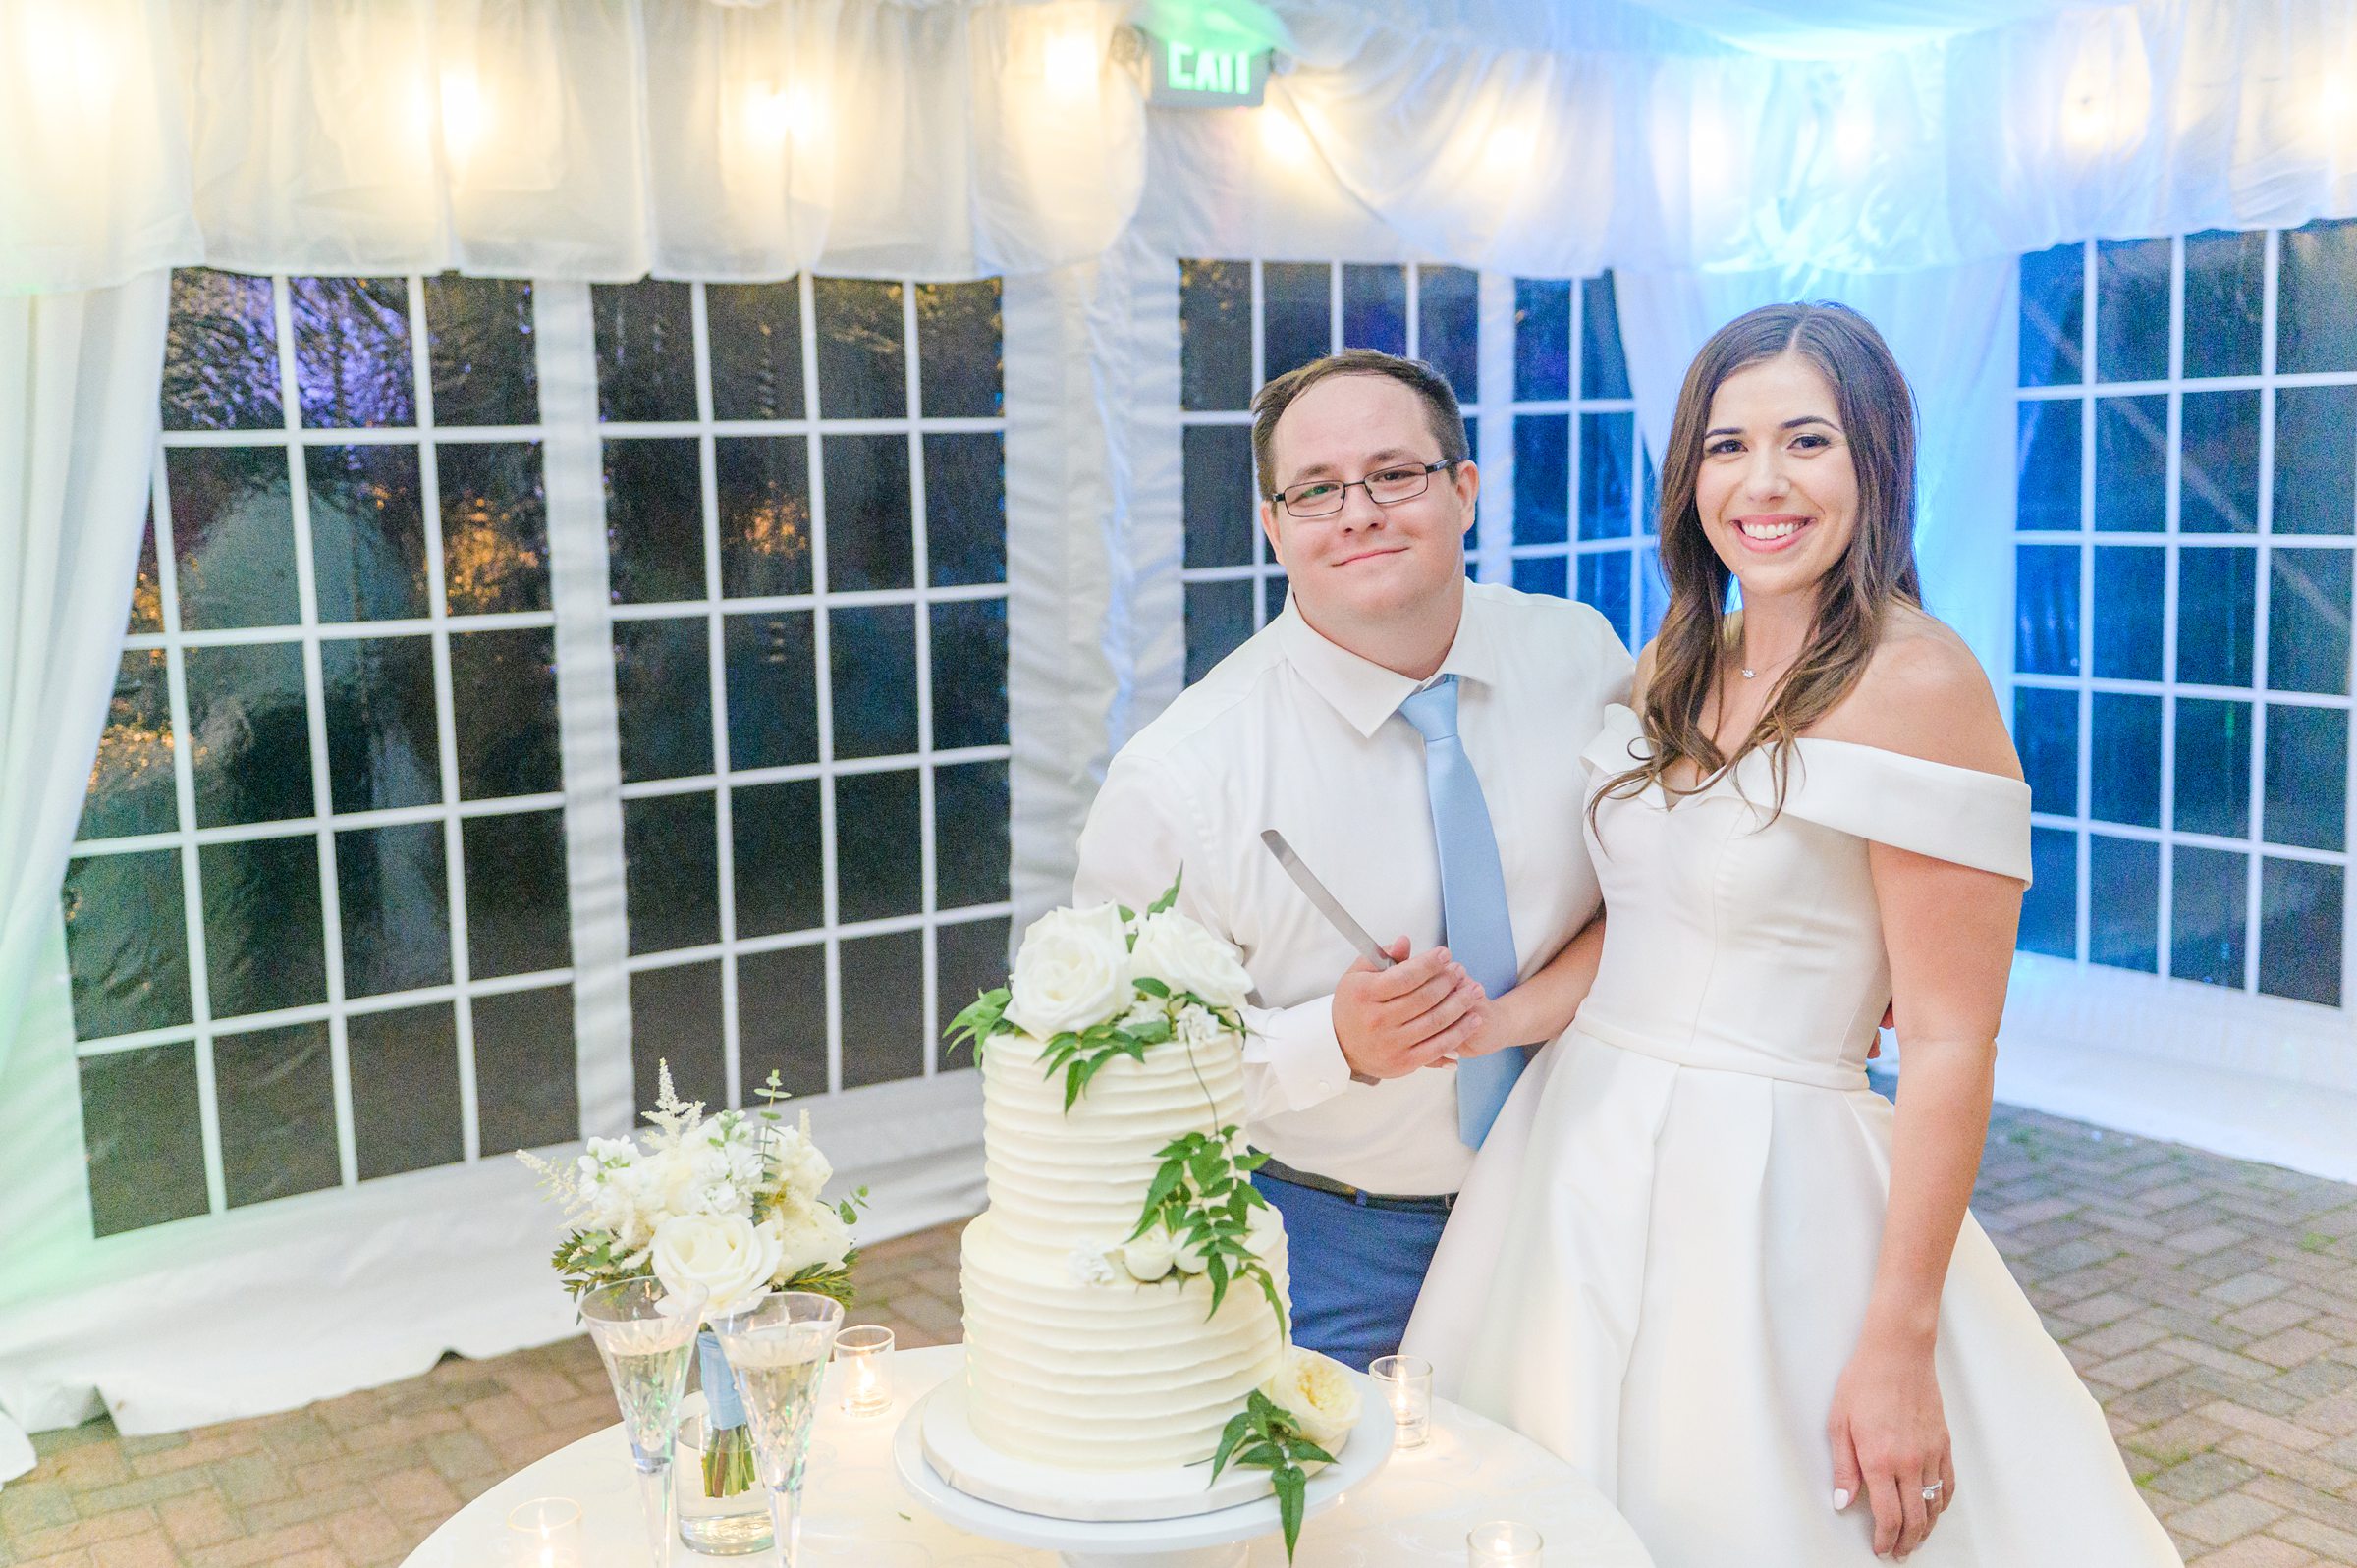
pixel 1661 1262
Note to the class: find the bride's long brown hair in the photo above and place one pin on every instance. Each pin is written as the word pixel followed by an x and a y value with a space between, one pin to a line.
pixel 1694 647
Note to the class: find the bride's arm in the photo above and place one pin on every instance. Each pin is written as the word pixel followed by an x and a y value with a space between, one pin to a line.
pixel 1542 1007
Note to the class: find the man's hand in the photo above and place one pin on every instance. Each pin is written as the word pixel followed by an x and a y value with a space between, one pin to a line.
pixel 1390 1022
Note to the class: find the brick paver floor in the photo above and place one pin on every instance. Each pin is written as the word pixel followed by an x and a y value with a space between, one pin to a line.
pixel 2211 1304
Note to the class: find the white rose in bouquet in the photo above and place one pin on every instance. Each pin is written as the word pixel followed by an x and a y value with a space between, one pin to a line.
pixel 728 1255
pixel 809 1235
pixel 1173 948
pixel 1073 971
pixel 1319 1392
pixel 801 1168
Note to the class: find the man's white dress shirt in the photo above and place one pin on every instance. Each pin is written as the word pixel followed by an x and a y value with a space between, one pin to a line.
pixel 1293 733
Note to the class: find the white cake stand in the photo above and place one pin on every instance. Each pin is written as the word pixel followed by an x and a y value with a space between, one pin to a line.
pixel 1221 1538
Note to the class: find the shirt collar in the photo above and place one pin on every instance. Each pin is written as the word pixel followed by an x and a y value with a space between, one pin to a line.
pixel 1363 692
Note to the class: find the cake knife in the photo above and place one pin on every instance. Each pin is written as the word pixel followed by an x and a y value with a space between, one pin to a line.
pixel 1332 908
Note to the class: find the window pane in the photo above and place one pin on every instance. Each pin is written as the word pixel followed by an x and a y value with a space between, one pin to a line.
pixel 2046 488
pixel 518 907
pixel 1541 339
pixel 2315 459
pixel 2209 904
pixel 958 360
pixel 2124 903
pixel 1297 316
pixel 2307 777
pixel 764 485
pixel 2216 612
pixel 393 892
pixel 663 697
pixel 2219 460
pixel 1603 367
pixel 524 1069
pixel 1654 601
pixel 970 673
pixel 132 786
pixel 504 704
pixel 756 334
pixel 971 958
pixel 869 543
pixel 883 1015
pixel 146 589
pixel 1543 575
pixel 221 354
pixel 2308 621
pixel 2131 309
pixel 1214 335
pixel 2126 757
pixel 675 1020
pixel 2131 463
pixel 233 536
pixel 277 1095
pixel 2213 768
pixel 2054 309
pixel 2226 301
pixel 127 942
pixel 405 1110
pixel 1604 440
pixel 1218 495
pixel 966 508
pixel 383 748
pixel 645 350
pixel 480 341
pixel 970 835
pixel 781 878
pixel 352 352
pixel 2129 587
pixel 1272 596
pixel 2299 930
pixel 2046 610
pixel 671 863
pixel 862 356
pixel 871 653
pixel 2050 919
pixel 1375 308
pixel 655 520
pixel 772 689
pixel 1541 478
pixel 2046 731
pixel 367 533
pixel 782 1019
pixel 494 526
pixel 878 868
pixel 1219 617
pixel 1604 584
pixel 1449 326
pixel 2316 327
pixel 262 944
pixel 142 1137
pixel 250 732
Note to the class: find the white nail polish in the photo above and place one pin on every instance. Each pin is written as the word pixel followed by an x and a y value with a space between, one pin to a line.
pixel 1841 1500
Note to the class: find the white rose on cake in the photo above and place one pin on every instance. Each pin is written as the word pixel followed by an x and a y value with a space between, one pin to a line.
pixel 1173 948
pixel 1073 971
pixel 1148 1258
pixel 1319 1392
pixel 728 1255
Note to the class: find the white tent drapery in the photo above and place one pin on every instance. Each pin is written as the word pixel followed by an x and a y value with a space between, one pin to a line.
pixel 1897 156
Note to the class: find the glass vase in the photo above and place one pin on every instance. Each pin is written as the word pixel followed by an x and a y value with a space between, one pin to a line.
pixel 723 1508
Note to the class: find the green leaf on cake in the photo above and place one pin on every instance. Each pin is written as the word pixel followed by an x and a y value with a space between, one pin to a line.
pixel 1170 894
pixel 982 1018
pixel 1266 1435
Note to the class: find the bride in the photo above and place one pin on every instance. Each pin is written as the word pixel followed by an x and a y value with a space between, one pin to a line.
pixel 1698 1257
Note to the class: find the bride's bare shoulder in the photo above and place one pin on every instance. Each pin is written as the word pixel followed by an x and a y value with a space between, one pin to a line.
pixel 1924 694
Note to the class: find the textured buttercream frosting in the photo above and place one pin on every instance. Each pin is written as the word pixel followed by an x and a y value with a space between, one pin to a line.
pixel 1087 1372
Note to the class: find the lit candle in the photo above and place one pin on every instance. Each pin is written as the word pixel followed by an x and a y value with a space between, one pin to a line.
pixel 545 1532
pixel 1502 1543
pixel 864 1354
pixel 1407 1386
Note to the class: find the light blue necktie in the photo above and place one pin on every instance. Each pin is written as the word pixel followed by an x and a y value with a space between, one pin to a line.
pixel 1479 930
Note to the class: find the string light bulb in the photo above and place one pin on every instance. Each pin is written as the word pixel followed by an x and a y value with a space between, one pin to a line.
pixel 463 113
pixel 1282 137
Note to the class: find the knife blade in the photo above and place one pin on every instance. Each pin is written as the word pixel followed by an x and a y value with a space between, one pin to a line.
pixel 1326 902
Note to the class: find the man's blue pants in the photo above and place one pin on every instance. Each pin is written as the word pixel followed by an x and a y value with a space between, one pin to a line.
pixel 1355 1268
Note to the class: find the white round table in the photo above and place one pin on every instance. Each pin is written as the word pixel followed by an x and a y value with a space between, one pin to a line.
pixel 1413 1513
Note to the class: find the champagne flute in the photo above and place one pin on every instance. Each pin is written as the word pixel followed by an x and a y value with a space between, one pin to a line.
pixel 778 1351
pixel 647 1338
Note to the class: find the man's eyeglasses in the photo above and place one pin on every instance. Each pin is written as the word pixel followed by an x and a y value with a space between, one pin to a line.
pixel 1386 487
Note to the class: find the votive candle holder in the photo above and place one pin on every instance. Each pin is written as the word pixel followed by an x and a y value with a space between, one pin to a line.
pixel 1407 1386
pixel 544 1532
pixel 1504 1544
pixel 864 1355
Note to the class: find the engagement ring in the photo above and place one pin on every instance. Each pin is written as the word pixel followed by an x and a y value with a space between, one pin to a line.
pixel 1930 1493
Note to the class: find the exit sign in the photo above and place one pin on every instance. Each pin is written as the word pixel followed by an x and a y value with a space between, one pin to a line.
pixel 1190 77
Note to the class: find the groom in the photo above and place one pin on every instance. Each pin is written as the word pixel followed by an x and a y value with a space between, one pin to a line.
pixel 1416 737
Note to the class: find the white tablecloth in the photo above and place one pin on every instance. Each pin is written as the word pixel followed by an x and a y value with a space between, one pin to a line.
pixel 855 1514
